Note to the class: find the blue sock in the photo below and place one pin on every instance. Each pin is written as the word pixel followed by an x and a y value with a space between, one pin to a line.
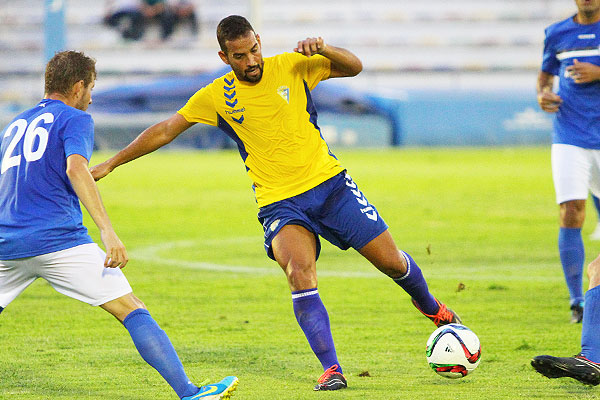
pixel 590 326
pixel 314 321
pixel 156 349
pixel 572 255
pixel 414 284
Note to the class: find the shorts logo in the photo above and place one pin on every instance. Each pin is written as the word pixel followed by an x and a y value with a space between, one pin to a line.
pixel 230 99
pixel 367 209
pixel 284 92
pixel 274 225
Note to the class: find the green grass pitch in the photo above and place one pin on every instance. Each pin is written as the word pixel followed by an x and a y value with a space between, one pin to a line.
pixel 481 219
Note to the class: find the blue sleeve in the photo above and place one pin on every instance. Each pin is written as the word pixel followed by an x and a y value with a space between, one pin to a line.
pixel 550 63
pixel 78 136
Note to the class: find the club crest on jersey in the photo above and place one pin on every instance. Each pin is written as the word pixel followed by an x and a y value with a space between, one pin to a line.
pixel 274 225
pixel 231 101
pixel 284 92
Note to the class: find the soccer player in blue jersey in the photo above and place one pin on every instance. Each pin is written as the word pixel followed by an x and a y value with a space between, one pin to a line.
pixel 571 53
pixel 302 191
pixel 44 154
pixel 585 366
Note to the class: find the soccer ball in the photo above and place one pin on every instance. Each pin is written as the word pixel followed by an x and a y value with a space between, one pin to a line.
pixel 453 351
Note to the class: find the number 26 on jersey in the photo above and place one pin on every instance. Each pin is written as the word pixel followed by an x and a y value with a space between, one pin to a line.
pixel 20 130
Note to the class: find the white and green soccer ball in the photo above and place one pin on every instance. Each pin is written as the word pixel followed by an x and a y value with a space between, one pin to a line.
pixel 453 351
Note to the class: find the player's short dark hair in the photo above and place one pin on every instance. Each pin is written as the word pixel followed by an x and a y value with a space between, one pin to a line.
pixel 231 28
pixel 66 69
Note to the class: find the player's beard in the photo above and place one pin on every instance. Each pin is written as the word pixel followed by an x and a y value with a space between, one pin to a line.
pixel 590 14
pixel 253 78
pixel 590 10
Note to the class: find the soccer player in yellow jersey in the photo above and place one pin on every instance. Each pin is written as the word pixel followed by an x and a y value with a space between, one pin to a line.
pixel 302 191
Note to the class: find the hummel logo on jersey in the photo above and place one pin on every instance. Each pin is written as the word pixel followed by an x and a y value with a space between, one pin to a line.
pixel 587 36
pixel 284 92
pixel 231 101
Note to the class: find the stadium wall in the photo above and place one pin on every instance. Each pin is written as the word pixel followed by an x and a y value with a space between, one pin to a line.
pixel 448 118
pixel 425 118
pixel 473 118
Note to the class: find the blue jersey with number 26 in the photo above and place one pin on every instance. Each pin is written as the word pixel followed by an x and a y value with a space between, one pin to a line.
pixel 39 210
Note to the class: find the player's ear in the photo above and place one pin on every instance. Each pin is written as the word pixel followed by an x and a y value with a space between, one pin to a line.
pixel 258 39
pixel 77 87
pixel 223 57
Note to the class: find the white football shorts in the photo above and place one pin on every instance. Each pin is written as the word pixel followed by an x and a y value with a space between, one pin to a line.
pixel 77 272
pixel 576 171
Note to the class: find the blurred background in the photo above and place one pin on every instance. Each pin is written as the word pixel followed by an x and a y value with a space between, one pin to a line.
pixel 437 72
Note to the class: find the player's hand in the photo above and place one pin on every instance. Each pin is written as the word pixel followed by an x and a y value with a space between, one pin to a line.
pixel 100 171
pixel 583 72
pixel 310 46
pixel 549 101
pixel 116 254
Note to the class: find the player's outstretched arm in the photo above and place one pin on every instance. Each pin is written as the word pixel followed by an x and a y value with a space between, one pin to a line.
pixel 149 140
pixel 548 101
pixel 87 191
pixel 343 62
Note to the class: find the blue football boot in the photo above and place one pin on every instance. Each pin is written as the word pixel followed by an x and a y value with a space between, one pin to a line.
pixel 216 391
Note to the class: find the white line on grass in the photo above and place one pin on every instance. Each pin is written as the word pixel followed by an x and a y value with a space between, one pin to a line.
pixel 152 254
pixel 492 273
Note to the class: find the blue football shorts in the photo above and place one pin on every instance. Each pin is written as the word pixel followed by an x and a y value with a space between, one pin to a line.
pixel 335 210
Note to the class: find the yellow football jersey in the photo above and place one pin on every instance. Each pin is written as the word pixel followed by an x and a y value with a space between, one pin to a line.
pixel 273 123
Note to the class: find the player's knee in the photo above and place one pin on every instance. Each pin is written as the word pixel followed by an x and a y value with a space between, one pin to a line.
pixel 400 265
pixel 123 306
pixel 298 268
pixel 593 272
pixel 572 214
pixel 393 266
pixel 301 275
pixel 135 303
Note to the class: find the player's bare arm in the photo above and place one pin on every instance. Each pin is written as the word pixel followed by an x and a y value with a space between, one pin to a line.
pixel 87 191
pixel 343 62
pixel 149 140
pixel 584 72
pixel 548 100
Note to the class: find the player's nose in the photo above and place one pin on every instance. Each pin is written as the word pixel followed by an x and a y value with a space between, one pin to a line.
pixel 253 60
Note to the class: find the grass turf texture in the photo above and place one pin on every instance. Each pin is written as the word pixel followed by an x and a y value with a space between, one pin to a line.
pixel 481 219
